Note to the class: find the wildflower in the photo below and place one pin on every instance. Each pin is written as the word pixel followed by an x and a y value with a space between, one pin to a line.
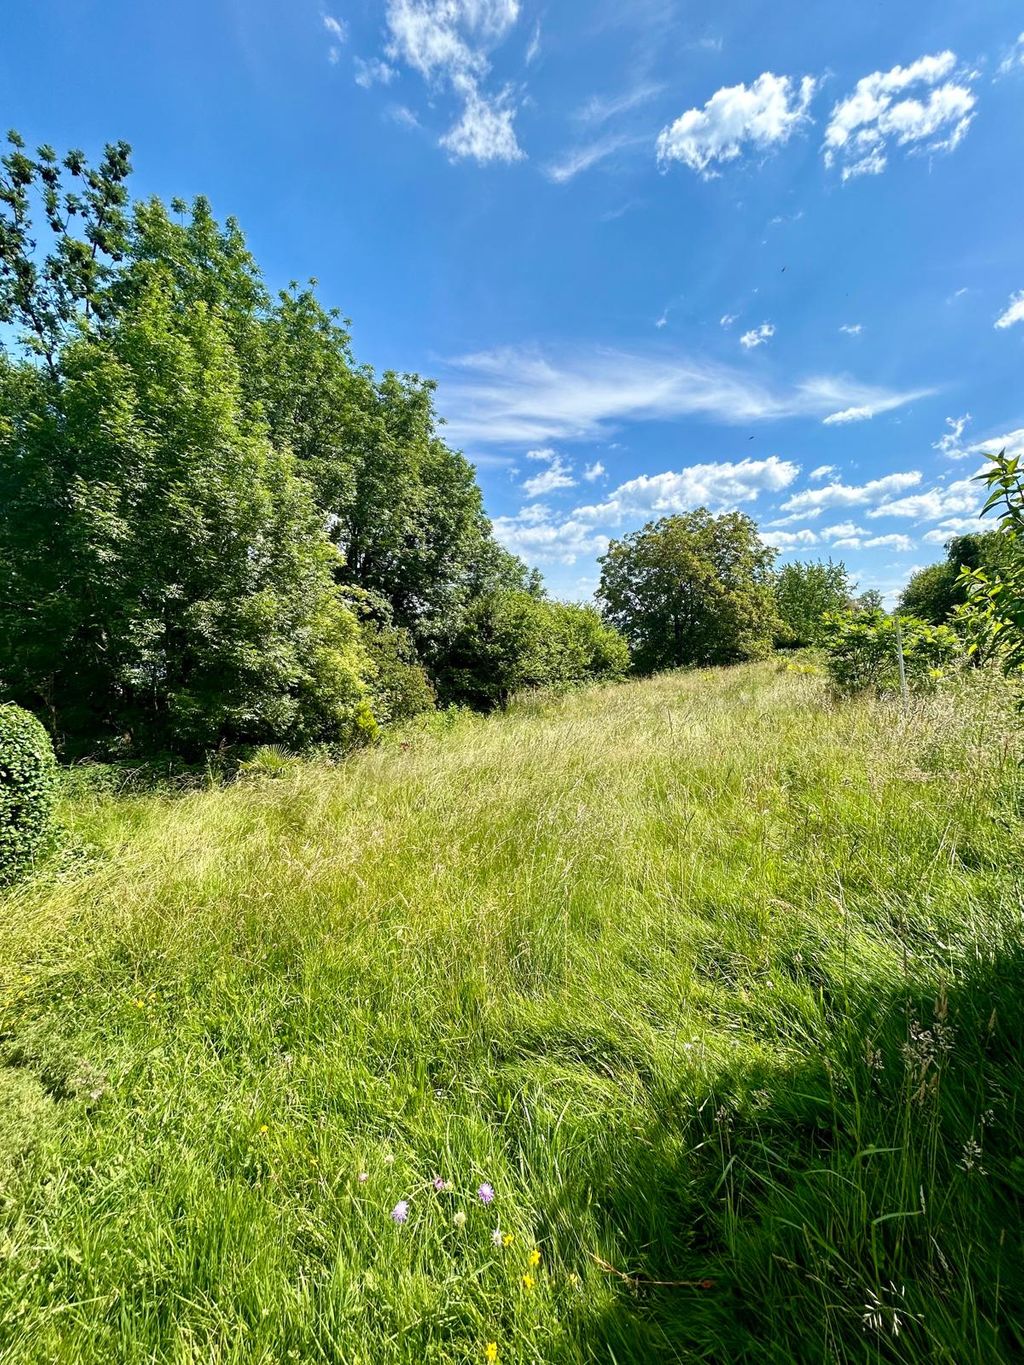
pixel 507 1240
pixel 363 1177
pixel 491 1351
pixel 460 1219
pixel 486 1193
pixel 263 1129
pixel 442 1186
pixel 534 1257
pixel 400 1212
pixel 496 1238
pixel 529 1281
pixel 139 1004
pixel 389 1160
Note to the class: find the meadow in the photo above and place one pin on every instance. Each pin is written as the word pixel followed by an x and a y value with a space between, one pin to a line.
pixel 677 1020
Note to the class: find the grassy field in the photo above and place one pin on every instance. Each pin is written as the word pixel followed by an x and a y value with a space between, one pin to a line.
pixel 718 987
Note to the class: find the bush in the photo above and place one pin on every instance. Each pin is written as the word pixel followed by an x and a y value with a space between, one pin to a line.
pixel 28 789
pixel 861 652
pixel 509 641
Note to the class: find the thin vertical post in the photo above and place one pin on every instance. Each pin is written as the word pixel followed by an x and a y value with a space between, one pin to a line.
pixel 904 691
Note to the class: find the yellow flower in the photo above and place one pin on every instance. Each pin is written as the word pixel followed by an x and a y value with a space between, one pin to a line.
pixel 507 1240
pixel 139 1004
pixel 529 1281
pixel 264 1128
pixel 534 1257
pixel 491 1351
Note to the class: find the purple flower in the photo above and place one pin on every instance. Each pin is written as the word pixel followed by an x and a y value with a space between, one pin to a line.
pixel 400 1212
pixel 440 1185
pixel 486 1193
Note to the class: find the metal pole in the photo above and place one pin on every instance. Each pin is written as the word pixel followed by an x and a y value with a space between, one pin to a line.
pixel 904 692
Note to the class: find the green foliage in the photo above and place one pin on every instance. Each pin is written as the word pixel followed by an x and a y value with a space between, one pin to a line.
pixel 510 640
pixel 934 593
pixel 188 469
pixel 804 593
pixel 691 589
pixel 992 618
pixel 862 652
pixel 28 789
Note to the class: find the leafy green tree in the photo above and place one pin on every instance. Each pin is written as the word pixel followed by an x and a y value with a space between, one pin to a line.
pixel 992 618
pixel 510 640
pixel 190 596
pixel 934 593
pixel 691 589
pixel 804 593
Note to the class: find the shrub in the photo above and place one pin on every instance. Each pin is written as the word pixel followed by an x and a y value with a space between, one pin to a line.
pixel 28 789
pixel 861 652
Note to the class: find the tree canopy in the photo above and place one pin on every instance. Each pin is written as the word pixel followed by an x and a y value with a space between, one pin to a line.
pixel 691 589
pixel 804 594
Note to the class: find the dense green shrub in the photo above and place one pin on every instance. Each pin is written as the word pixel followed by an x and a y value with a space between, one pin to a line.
pixel 509 641
pixel 804 594
pixel 992 617
pixel 28 789
pixel 861 652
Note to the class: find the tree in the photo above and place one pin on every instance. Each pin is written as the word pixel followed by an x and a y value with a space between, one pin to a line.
pixel 691 589
pixel 992 618
pixel 509 640
pixel 173 584
pixel 804 593
pixel 934 593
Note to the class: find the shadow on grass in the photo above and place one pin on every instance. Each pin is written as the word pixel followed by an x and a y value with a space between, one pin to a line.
pixel 865 1206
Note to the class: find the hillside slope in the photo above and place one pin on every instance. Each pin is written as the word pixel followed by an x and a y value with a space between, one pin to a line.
pixel 709 981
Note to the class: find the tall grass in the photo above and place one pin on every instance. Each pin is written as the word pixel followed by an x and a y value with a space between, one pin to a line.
pixel 719 986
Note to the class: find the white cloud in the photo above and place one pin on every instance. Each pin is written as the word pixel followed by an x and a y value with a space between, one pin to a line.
pixel 823 471
pixel 757 336
pixel 524 396
pixel 579 159
pixel 484 133
pixel 600 108
pixel 952 526
pixel 1014 58
pixel 851 495
pixel 760 116
pixel 727 319
pixel 789 540
pixel 1011 441
pixel 594 471
pixel 723 484
pixel 373 72
pixel 902 544
pixel 852 329
pixel 863 412
pixel 960 498
pixel 1014 311
pixel 533 51
pixel 557 475
pixel 881 113
pixel 335 28
pixel 450 40
pixel 949 443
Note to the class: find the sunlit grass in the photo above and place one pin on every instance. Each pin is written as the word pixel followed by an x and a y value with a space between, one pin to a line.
pixel 713 982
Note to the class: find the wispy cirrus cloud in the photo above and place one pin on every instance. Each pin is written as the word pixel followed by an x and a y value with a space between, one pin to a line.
pixel 735 120
pixel 528 396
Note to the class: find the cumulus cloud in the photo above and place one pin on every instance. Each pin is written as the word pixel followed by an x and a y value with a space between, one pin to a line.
pixel 529 397
pixel 852 495
pixel 737 118
pixel 757 336
pixel 789 540
pixel 1014 311
pixel 822 472
pixel 960 498
pixel 449 41
pixel 594 471
pixel 557 475
pixel 916 107
pixel 545 539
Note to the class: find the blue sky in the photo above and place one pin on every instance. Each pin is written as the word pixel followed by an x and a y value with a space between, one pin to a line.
pixel 656 253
